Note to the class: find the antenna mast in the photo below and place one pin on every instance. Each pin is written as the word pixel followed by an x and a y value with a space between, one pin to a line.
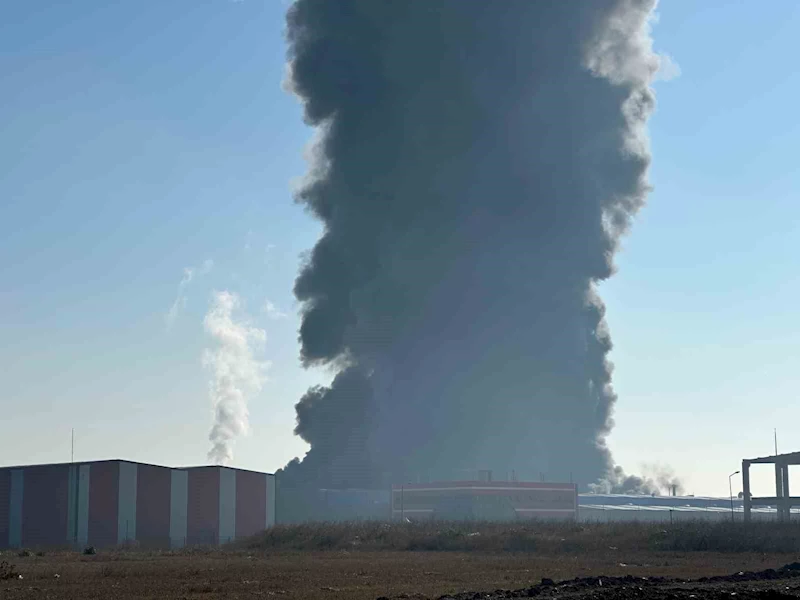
pixel 775 431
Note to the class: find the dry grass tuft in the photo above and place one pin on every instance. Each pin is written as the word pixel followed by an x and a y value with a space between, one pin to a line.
pixel 540 537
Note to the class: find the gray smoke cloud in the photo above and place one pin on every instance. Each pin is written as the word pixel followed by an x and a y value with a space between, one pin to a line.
pixel 657 480
pixel 476 165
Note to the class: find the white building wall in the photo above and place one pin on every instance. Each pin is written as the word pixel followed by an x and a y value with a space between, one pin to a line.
pixel 82 502
pixel 178 503
pixel 15 508
pixel 227 505
pixel 270 500
pixel 126 510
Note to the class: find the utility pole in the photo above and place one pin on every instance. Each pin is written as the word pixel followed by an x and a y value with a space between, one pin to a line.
pixel 775 431
pixel 730 490
pixel 72 448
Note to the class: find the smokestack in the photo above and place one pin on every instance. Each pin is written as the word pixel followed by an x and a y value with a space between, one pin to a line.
pixel 477 165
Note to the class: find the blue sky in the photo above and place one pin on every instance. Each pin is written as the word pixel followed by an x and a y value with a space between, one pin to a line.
pixel 138 139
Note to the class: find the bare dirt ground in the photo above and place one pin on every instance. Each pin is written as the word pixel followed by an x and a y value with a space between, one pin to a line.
pixel 344 575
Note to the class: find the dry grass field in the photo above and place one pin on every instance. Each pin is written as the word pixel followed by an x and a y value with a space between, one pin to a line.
pixel 367 561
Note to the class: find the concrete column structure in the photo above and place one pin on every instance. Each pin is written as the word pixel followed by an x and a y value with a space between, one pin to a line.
pixel 779 491
pixel 746 490
pixel 782 500
pixel 786 505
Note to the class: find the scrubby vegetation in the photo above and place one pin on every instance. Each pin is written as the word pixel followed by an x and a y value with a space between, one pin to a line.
pixel 544 537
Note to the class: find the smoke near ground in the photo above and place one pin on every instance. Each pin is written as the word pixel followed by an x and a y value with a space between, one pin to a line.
pixel 476 166
pixel 236 374
pixel 657 480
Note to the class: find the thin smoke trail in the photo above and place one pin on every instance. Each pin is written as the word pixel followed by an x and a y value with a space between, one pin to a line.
pixel 179 303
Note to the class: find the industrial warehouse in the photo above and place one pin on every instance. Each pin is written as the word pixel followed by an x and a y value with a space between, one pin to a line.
pixel 117 502
pixel 486 500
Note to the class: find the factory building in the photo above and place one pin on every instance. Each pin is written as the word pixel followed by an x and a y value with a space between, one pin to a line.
pixel 114 502
pixel 485 500
pixel 224 504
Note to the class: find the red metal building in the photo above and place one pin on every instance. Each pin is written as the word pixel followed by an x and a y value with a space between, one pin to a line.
pixel 225 504
pixel 489 500
pixel 107 503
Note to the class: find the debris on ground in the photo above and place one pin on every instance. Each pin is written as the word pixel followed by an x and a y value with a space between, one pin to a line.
pixel 759 585
pixel 8 571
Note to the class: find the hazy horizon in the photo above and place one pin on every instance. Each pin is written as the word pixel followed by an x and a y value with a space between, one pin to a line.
pixel 149 159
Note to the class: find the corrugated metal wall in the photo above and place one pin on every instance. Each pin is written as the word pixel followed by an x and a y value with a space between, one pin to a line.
pixel 103 503
pixel 5 496
pixel 272 501
pixel 45 501
pixel 153 494
pixel 107 503
pixel 251 503
pixel 227 506
pixel 15 509
pixel 202 514
pixel 178 506
pixel 126 507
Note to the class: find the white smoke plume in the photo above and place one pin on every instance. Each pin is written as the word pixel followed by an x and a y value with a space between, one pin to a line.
pixel 236 374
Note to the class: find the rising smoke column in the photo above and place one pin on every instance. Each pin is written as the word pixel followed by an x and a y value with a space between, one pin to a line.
pixel 477 165
pixel 236 375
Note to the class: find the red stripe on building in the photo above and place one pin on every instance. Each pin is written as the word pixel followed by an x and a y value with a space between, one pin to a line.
pixel 251 503
pixel 103 503
pixel 202 516
pixel 44 506
pixel 5 505
pixel 431 493
pixel 485 484
pixel 153 486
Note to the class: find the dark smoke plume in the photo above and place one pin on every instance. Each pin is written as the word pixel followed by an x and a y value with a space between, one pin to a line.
pixel 657 480
pixel 477 165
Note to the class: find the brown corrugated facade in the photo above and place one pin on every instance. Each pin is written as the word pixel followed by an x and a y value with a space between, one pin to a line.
pixel 103 504
pixel 153 491
pixel 108 503
pixel 251 503
pixel 45 506
pixel 202 518
pixel 5 497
